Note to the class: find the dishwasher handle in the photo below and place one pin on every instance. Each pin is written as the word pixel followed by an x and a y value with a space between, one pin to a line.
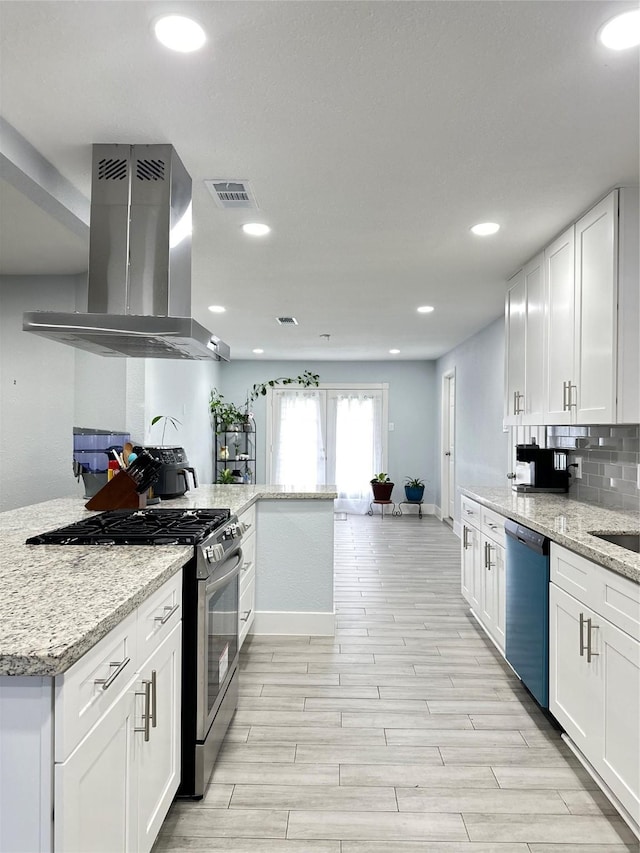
pixel 536 542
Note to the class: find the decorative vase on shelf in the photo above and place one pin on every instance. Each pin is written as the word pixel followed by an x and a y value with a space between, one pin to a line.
pixel 224 452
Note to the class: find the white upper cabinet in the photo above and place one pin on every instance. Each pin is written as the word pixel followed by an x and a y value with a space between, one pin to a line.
pixel 515 333
pixel 534 347
pixel 524 314
pixel 572 322
pixel 559 270
pixel 596 313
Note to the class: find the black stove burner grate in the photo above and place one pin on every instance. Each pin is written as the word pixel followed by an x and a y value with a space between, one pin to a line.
pixel 152 526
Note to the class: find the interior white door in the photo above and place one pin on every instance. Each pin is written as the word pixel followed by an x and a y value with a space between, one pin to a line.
pixel 447 469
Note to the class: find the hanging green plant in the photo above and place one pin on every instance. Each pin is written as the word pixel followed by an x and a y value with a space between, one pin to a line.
pixel 306 380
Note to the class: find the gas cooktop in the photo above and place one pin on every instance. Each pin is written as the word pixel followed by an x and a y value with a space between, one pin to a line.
pixel 152 526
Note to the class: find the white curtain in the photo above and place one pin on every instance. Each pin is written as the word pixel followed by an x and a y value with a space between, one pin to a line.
pixel 298 438
pixel 354 447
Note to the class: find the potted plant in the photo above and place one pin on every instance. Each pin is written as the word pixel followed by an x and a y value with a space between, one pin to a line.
pixel 166 419
pixel 414 489
pixel 226 415
pixel 382 487
pixel 226 476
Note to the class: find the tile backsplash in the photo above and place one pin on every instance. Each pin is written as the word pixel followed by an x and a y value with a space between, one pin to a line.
pixel 610 459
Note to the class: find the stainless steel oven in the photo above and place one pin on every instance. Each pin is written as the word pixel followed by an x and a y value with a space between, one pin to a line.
pixel 209 654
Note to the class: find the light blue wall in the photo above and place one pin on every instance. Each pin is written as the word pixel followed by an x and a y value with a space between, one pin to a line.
pixel 481 445
pixel 413 407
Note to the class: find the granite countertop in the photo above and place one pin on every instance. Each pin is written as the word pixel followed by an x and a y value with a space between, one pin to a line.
pixel 568 522
pixel 58 601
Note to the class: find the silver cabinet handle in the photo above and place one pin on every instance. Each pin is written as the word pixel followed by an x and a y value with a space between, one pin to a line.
pixel 571 404
pixel 487 556
pixel 565 401
pixel 146 714
pixel 247 613
pixel 468 511
pixel 515 402
pixel 465 543
pixel 492 526
pixel 246 566
pixel 590 653
pixel 107 682
pixel 154 698
pixel 582 645
pixel 169 611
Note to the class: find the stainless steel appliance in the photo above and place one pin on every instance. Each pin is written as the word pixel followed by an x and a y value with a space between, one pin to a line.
pixel 172 481
pixel 540 469
pixel 210 615
pixel 527 608
pixel 139 294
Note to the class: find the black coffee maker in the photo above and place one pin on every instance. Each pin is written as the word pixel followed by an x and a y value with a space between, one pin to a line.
pixel 540 469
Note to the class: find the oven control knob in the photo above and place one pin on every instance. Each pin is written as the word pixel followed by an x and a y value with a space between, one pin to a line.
pixel 214 553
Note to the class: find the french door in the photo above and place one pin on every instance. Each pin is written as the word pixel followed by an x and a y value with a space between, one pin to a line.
pixel 328 436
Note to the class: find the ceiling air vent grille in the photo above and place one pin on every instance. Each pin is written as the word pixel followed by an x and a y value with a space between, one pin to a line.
pixel 287 321
pixel 110 169
pixel 150 170
pixel 232 194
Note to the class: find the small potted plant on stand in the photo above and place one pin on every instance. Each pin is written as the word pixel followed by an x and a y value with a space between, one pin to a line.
pixel 382 487
pixel 414 489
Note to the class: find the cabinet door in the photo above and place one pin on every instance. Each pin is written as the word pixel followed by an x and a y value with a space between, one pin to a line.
pixel 515 343
pixel 575 683
pixel 534 362
pixel 488 587
pixel 93 787
pixel 619 755
pixel 596 312
pixel 158 759
pixel 471 568
pixel 559 263
pixel 498 570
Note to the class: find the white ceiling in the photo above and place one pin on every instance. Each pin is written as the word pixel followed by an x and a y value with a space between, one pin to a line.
pixel 374 135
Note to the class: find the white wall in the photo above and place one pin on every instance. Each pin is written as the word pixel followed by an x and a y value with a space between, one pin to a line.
pixel 413 407
pixel 37 395
pixel 481 445
pixel 47 388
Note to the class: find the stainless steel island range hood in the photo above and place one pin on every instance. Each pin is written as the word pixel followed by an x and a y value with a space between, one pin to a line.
pixel 139 287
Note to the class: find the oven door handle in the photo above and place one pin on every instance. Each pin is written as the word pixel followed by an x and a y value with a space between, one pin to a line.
pixel 218 583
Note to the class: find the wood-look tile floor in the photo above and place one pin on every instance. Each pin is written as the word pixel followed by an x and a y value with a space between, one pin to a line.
pixel 404 733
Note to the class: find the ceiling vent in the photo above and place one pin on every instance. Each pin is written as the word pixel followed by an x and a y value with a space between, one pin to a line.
pixel 232 194
pixel 287 321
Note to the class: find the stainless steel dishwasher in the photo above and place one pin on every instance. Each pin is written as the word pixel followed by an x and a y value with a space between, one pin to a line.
pixel 527 605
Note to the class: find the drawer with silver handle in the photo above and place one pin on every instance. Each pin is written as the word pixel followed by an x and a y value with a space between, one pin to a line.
pixel 87 690
pixel 492 525
pixel 158 615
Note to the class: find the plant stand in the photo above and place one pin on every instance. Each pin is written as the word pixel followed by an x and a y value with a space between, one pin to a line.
pixel 398 509
pixel 382 505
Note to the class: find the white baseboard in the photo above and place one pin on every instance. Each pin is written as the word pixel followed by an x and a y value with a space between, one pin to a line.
pixel 437 512
pixel 293 623
pixel 427 509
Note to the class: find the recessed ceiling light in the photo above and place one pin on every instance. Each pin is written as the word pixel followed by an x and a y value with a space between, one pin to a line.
pixel 426 309
pixel 257 351
pixel 484 229
pixel 622 31
pixel 256 229
pixel 217 309
pixel 394 351
pixel 179 33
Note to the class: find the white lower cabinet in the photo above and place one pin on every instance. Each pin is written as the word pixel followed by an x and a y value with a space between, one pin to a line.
pixel 114 783
pixel 93 808
pixel 594 670
pixel 247 603
pixel 483 568
pixel 158 758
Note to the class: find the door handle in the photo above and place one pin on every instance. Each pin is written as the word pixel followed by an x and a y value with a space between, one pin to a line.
pixel 582 645
pixel 447 453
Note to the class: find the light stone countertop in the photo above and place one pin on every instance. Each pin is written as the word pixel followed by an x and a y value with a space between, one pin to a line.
pixel 568 522
pixel 57 601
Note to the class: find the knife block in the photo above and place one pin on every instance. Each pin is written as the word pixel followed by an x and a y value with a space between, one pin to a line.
pixel 119 493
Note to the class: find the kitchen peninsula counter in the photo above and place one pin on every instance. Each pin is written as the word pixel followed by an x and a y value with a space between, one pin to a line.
pixel 568 523
pixel 56 601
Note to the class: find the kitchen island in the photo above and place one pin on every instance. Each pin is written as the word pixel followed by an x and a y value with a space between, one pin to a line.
pixel 58 601
pixel 65 739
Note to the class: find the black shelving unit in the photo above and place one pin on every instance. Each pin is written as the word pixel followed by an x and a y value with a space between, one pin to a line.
pixel 235 449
